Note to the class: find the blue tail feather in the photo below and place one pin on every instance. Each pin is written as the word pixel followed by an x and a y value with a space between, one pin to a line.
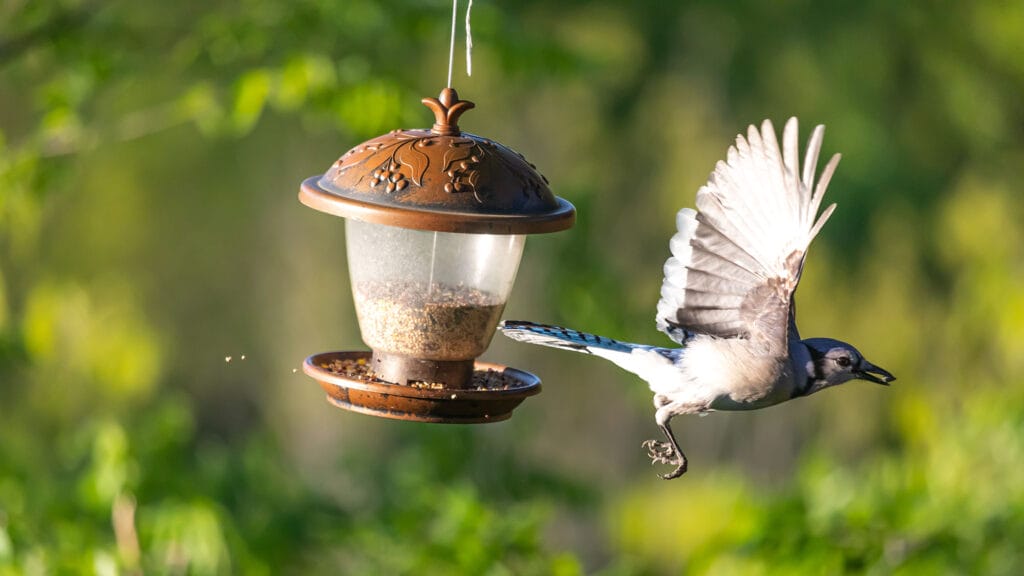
pixel 561 337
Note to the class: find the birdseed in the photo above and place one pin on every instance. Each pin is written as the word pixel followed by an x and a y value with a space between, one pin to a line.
pixel 359 369
pixel 439 322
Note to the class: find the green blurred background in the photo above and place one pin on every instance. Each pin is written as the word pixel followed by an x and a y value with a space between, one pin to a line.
pixel 150 156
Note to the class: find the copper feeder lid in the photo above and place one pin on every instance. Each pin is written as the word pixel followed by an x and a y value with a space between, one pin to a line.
pixel 440 179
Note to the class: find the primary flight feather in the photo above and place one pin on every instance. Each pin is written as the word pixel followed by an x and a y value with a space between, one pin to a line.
pixel 727 297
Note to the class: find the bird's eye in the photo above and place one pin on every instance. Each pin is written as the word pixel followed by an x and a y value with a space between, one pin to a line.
pixel 843 361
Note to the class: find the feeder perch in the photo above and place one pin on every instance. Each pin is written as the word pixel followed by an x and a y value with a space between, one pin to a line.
pixel 436 224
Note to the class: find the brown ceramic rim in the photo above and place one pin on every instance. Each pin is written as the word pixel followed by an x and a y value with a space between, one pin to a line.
pixel 439 220
pixel 456 406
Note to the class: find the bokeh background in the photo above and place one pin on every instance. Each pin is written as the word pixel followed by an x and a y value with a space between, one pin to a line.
pixel 150 156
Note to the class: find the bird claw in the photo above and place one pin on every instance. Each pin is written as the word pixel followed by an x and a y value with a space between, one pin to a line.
pixel 660 452
pixel 679 471
pixel 664 453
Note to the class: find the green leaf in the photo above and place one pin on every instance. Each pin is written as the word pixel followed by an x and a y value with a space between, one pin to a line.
pixel 303 77
pixel 201 105
pixel 251 94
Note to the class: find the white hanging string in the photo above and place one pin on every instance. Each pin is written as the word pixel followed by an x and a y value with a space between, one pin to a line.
pixel 451 48
pixel 433 260
pixel 469 41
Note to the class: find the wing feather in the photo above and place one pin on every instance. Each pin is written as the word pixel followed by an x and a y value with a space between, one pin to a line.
pixel 715 264
pixel 699 299
pixel 713 240
pixel 716 283
pixel 737 260
pixel 811 161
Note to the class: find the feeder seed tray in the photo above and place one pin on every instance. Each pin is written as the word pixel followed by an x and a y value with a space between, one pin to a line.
pixel 495 391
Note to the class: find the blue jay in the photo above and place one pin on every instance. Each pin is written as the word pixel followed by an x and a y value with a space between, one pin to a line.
pixel 727 296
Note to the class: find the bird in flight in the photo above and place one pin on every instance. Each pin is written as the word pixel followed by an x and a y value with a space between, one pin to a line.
pixel 727 297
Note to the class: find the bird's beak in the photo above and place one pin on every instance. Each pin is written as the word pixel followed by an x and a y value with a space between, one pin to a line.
pixel 868 372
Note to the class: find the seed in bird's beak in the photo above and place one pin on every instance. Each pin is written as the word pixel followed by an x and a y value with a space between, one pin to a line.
pixel 868 372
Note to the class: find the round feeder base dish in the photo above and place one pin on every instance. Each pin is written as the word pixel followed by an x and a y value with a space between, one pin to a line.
pixel 494 392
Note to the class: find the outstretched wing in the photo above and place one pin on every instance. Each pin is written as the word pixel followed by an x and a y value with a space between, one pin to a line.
pixel 737 259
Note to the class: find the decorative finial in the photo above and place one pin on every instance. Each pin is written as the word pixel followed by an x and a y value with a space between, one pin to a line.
pixel 447 108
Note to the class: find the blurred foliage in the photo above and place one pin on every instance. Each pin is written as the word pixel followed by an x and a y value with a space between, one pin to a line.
pixel 149 154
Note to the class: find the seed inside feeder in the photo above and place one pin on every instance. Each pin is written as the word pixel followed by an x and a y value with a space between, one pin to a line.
pixel 431 321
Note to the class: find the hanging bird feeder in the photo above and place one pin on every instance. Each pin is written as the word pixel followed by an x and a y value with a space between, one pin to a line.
pixel 436 221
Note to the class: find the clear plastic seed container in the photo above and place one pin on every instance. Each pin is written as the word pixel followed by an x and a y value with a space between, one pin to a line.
pixel 429 295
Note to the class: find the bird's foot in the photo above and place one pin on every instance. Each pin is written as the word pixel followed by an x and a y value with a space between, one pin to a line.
pixel 679 471
pixel 665 453
pixel 661 452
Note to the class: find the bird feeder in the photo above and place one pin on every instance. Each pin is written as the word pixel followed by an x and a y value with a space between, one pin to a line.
pixel 436 222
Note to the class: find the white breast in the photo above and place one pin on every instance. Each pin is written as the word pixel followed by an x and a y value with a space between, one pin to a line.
pixel 726 374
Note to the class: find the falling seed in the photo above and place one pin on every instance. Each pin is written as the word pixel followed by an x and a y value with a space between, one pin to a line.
pixel 454 396
pixel 243 357
pixel 294 370
pixel 227 358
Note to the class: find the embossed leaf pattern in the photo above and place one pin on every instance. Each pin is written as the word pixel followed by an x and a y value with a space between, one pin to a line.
pixel 459 150
pixel 358 155
pixel 460 162
pixel 400 136
pixel 528 179
pixel 474 178
pixel 417 161
pixel 401 159
pixel 386 156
